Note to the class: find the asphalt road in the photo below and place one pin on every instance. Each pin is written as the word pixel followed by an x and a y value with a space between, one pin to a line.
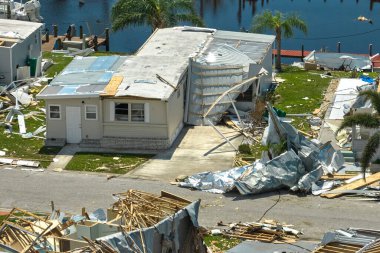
pixel 71 191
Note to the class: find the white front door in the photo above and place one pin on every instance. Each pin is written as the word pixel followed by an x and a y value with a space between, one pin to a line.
pixel 73 124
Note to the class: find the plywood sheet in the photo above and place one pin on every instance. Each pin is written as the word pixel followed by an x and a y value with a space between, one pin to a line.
pixel 112 86
pixel 353 186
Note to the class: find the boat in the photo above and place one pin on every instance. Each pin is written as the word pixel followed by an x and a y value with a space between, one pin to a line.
pixel 28 11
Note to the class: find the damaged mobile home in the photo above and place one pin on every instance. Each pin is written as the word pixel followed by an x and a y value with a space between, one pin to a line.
pixel 143 101
pixel 137 222
pixel 20 50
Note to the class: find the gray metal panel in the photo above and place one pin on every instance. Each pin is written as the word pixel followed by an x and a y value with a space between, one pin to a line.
pixel 84 76
pixel 91 88
pixel 245 36
pixel 50 90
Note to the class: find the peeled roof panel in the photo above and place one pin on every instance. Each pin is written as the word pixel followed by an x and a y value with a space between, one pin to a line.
pixel 103 63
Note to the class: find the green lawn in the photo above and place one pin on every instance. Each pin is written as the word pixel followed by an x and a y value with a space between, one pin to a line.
pixel 106 162
pixel 220 243
pixel 60 62
pixel 302 92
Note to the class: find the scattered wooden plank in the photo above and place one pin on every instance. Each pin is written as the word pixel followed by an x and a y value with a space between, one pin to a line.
pixel 337 177
pixel 338 248
pixel 353 186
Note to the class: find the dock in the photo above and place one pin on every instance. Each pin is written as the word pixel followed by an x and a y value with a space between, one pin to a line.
pixel 55 41
pixel 292 53
pixel 48 45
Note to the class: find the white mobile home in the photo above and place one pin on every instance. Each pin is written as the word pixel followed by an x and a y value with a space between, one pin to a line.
pixel 139 101
pixel 20 42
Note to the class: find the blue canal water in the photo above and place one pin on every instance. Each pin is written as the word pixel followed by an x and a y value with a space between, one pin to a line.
pixel 329 21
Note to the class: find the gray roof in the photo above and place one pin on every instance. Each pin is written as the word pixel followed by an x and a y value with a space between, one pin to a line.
pixel 83 77
pixel 254 45
pixel 16 29
pixel 166 53
pixel 140 80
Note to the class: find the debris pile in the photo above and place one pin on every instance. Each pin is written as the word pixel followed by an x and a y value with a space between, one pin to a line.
pixel 350 240
pixel 136 222
pixel 268 231
pixel 292 162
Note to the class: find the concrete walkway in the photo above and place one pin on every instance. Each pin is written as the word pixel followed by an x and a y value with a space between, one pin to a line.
pixel 63 157
pixel 198 149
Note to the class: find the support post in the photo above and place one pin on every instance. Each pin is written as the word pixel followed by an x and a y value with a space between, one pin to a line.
pixel 55 31
pixel 9 16
pixel 84 44
pixel 224 137
pixel 107 30
pixel 370 49
pixel 81 32
pixel 95 41
pixel 302 51
pixel 47 35
pixel 236 111
pixel 338 47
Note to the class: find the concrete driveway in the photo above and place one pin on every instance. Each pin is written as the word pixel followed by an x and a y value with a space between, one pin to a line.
pixel 197 149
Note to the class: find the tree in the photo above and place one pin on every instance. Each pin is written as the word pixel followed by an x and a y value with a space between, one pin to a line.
pixel 281 24
pixel 369 121
pixel 155 13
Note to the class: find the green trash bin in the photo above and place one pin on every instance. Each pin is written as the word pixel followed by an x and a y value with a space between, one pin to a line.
pixel 32 62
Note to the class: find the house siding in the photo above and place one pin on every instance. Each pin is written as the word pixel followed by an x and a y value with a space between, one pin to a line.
pixel 28 48
pixel 136 135
pixel 5 65
pixel 175 112
pixel 90 129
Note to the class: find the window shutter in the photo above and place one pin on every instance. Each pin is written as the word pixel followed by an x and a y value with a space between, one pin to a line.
pixel 112 111
pixel 146 113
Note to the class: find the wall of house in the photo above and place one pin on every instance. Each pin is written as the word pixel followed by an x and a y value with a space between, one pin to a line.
pixel 175 111
pixel 91 129
pixel 5 69
pixel 29 48
pixel 267 64
pixel 151 134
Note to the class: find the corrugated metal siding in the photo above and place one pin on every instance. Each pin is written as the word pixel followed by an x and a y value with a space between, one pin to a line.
pixel 213 73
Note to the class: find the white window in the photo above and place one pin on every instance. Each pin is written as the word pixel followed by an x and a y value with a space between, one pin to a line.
pixel 54 111
pixel 121 112
pixel 133 112
pixel 137 112
pixel 91 112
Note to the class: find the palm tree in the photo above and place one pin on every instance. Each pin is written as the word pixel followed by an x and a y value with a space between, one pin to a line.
pixel 155 13
pixel 369 121
pixel 281 24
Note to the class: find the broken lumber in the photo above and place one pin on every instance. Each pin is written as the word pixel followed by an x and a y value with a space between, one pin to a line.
pixel 353 186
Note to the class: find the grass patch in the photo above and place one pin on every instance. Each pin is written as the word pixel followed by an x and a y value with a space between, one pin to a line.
pixel 29 149
pixel 106 162
pixel 220 243
pixel 60 62
pixel 302 92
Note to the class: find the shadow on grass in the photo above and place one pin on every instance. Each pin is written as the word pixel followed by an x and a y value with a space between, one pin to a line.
pixel 46 150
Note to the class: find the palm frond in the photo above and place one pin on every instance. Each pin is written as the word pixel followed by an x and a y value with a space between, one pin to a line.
pixel 373 96
pixel 369 151
pixel 263 22
pixel 293 21
pixel 156 13
pixel 361 119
